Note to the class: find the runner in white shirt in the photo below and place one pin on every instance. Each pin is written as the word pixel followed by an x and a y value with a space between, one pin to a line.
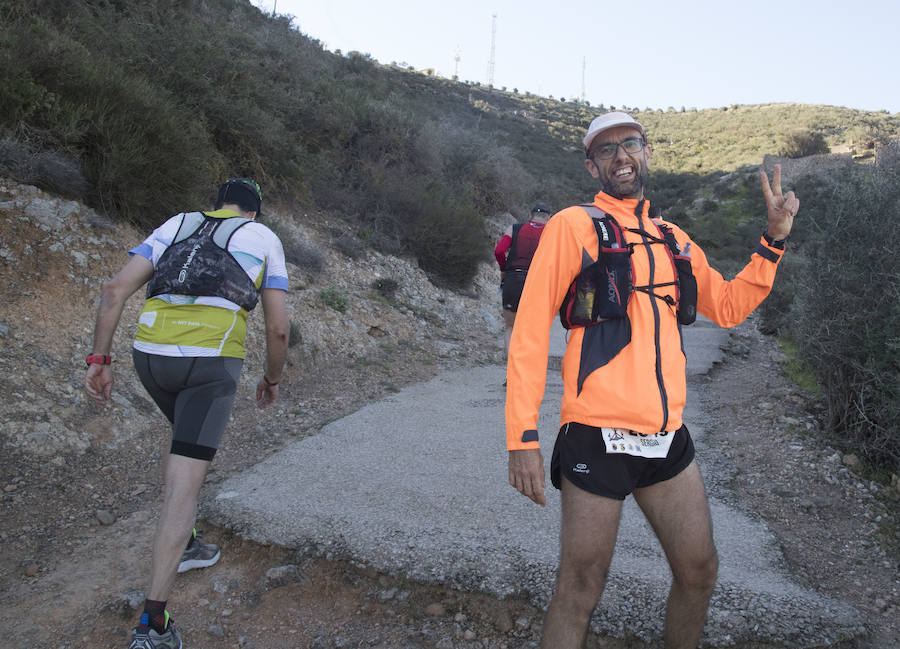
pixel 206 272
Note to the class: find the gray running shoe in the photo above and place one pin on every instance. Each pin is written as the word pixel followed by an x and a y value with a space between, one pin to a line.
pixel 143 637
pixel 198 555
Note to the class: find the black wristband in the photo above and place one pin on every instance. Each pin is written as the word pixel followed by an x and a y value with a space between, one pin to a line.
pixel 268 382
pixel 775 243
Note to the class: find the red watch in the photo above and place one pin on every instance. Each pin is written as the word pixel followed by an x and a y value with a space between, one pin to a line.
pixel 98 359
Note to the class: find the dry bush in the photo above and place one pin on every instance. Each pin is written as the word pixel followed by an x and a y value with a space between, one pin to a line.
pixel 844 306
pixel 803 143
pixel 52 171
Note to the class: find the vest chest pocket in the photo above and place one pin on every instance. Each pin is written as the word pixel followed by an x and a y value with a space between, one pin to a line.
pixel 601 291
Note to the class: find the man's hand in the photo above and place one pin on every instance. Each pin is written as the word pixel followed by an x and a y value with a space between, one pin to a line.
pixel 782 208
pixel 98 383
pixel 526 474
pixel 266 394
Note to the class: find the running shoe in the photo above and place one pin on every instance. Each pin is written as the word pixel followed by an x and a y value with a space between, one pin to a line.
pixel 198 555
pixel 143 637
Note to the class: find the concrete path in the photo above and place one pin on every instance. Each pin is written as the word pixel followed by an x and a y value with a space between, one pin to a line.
pixel 416 485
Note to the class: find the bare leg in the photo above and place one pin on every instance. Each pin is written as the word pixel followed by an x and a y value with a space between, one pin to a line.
pixel 184 477
pixel 678 511
pixel 509 318
pixel 588 537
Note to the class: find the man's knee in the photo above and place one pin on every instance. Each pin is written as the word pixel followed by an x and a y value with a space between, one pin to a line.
pixel 698 574
pixel 584 580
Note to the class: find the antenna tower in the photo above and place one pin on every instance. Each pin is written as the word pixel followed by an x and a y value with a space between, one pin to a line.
pixel 456 67
pixel 583 68
pixel 493 49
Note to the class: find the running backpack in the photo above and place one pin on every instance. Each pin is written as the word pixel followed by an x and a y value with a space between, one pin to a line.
pixel 602 290
pixel 198 262
pixel 522 249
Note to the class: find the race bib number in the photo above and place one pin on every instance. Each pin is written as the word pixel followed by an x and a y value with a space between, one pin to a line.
pixel 619 440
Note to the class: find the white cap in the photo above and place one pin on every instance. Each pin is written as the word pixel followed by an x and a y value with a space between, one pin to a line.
pixel 608 121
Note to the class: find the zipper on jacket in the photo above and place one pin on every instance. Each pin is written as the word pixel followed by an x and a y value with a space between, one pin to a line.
pixel 663 395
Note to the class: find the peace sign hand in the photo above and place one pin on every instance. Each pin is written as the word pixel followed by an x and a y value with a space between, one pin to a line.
pixel 782 208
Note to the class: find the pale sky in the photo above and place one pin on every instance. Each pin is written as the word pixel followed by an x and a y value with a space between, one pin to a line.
pixel 636 53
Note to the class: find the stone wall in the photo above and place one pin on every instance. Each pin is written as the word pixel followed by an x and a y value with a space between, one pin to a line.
pixel 793 168
pixel 888 153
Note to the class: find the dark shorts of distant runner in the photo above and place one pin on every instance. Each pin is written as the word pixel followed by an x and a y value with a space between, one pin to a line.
pixel 512 285
pixel 580 454
pixel 196 395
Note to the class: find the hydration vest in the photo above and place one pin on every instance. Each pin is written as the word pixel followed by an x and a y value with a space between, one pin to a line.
pixel 198 262
pixel 602 290
pixel 522 249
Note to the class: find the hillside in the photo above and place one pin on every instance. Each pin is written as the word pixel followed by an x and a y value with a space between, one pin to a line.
pixel 90 110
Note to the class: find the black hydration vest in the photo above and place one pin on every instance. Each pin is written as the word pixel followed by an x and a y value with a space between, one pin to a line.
pixel 198 262
pixel 601 291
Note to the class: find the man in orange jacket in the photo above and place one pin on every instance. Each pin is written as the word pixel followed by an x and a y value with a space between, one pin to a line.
pixel 624 381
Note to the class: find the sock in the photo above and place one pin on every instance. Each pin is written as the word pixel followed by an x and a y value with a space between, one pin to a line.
pixel 155 616
pixel 191 539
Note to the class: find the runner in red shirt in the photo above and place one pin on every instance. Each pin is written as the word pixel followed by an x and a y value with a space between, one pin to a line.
pixel 514 252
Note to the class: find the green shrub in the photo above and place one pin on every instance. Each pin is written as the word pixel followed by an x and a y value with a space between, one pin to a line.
pixel 335 298
pixel 845 308
pixel 143 156
pixel 802 143
pixel 54 171
pixel 298 249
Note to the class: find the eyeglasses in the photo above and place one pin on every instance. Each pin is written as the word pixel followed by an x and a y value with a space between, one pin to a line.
pixel 607 151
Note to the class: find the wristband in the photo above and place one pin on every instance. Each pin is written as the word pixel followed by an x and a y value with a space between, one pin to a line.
pixel 98 359
pixel 269 383
pixel 775 243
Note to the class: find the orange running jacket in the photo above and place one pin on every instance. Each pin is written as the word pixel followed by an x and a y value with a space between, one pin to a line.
pixel 643 387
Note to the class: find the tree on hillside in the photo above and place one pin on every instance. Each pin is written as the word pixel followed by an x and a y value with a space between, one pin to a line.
pixel 804 142
pixel 842 304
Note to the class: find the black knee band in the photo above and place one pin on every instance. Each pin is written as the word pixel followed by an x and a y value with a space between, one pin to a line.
pixel 194 451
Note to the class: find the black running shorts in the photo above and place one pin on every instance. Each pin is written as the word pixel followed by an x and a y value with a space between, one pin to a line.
pixel 513 283
pixel 196 394
pixel 580 455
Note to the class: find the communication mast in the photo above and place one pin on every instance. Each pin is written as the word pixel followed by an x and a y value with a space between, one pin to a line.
pixel 493 49
pixel 583 68
pixel 456 66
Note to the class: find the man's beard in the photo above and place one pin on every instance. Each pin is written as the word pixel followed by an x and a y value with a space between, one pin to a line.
pixel 631 189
